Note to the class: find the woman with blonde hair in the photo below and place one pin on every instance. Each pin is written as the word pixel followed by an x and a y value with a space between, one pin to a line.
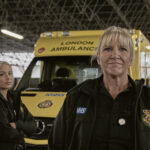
pixel 110 112
pixel 16 122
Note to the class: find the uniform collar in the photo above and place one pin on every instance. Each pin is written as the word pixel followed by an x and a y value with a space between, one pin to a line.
pixel 94 84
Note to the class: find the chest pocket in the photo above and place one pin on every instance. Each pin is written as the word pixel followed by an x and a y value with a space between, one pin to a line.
pixel 84 111
pixel 84 114
pixel 81 114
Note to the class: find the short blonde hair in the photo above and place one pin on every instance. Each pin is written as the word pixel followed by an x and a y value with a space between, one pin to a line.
pixel 113 34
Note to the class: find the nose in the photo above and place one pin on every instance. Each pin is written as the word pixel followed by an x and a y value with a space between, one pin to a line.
pixel 115 52
pixel 7 76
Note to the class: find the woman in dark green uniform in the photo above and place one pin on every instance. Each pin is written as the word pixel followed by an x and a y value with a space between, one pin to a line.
pixel 15 120
pixel 110 112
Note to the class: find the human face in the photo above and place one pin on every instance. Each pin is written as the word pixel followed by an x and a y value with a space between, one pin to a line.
pixel 114 59
pixel 6 76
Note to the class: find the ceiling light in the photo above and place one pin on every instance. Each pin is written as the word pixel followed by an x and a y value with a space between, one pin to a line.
pixel 15 35
pixel 148 47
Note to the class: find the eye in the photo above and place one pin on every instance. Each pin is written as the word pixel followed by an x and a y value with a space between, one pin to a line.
pixel 10 73
pixel 1 74
pixel 123 49
pixel 107 49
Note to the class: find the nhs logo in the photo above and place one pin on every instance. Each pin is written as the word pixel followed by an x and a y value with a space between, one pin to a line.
pixel 81 110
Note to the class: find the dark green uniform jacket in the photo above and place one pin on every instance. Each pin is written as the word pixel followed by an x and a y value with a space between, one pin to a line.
pixel 14 111
pixel 74 131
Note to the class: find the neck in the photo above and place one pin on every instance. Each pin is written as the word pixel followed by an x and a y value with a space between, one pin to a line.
pixel 115 85
pixel 4 93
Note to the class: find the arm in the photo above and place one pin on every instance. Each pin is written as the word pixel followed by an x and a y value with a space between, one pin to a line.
pixel 59 135
pixel 56 138
pixel 7 133
pixel 26 122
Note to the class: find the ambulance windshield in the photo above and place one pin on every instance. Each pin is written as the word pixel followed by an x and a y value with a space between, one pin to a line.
pixel 60 73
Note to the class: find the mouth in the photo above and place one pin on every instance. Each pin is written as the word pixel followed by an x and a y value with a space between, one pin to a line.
pixel 115 63
pixel 8 83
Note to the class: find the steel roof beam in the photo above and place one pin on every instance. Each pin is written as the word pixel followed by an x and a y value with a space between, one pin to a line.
pixel 120 14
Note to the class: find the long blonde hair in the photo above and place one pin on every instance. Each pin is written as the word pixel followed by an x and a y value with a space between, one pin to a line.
pixel 4 62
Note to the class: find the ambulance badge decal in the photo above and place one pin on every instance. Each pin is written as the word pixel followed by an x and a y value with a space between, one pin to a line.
pixel 45 104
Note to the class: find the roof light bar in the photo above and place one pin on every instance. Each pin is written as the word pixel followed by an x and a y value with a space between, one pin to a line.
pixel 65 33
pixel 15 35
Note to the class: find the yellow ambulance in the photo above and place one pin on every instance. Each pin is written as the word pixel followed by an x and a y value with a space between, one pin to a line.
pixel 62 61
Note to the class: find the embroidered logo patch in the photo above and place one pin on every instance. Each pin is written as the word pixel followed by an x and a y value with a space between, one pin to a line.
pixel 146 117
pixel 81 110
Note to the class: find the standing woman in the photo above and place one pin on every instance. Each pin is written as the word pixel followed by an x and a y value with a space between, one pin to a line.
pixel 110 112
pixel 15 120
